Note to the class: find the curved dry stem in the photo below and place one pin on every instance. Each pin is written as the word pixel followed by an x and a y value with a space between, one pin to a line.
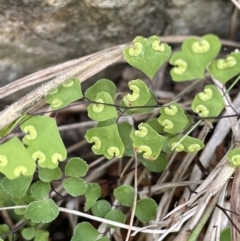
pixel 84 70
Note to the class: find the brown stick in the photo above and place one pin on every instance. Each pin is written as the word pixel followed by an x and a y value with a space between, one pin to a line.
pixel 235 207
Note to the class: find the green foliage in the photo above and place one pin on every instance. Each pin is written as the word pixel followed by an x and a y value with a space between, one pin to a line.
pixel 106 122
pixel 154 124
pixel 104 109
pixel 157 165
pixel 85 231
pixel 209 102
pixel 190 63
pixel 154 140
pixel 138 109
pixel 148 141
pixel 92 194
pixel 40 189
pixel 146 210
pixel 65 94
pixel 225 235
pixel 4 228
pixel 148 55
pixel 233 157
pixel 102 93
pixel 76 167
pixel 17 187
pixel 13 164
pixel 124 130
pixel 4 200
pixel 42 211
pixel 140 94
pixel 48 175
pixel 38 129
pixel 173 118
pixel 28 233
pixel 187 144
pixel 125 195
pixel 41 235
pixel 224 69
pixel 102 85
pixel 75 186
pixel 106 140
pixel 101 208
pixel 117 216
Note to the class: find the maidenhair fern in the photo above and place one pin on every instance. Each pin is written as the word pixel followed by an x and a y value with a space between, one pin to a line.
pixel 30 165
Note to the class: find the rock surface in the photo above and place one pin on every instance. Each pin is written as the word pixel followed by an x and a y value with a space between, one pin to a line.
pixel 35 34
